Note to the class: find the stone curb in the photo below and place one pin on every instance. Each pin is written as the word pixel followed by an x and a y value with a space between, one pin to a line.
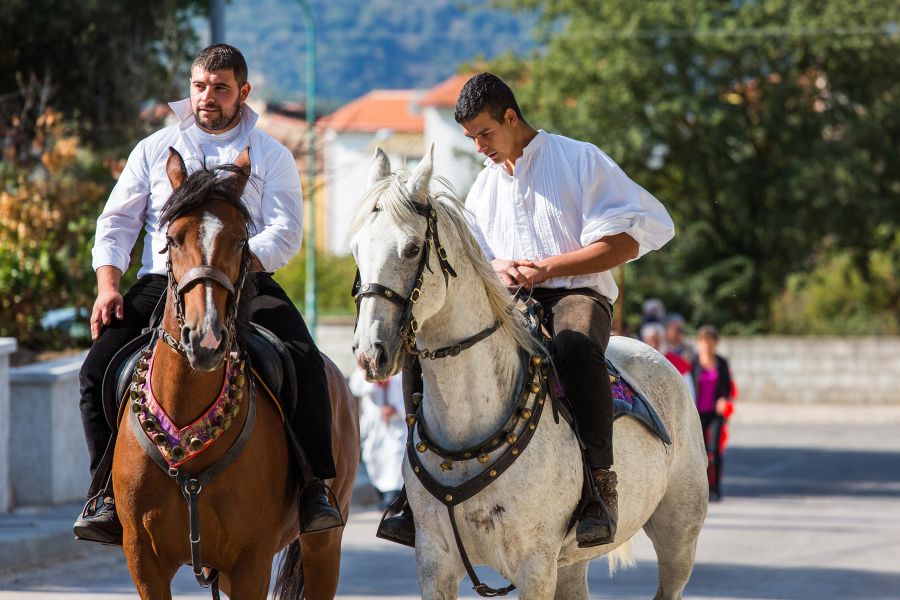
pixel 35 536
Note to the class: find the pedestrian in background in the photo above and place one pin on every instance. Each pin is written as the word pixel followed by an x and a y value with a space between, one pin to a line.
pixel 382 432
pixel 654 335
pixel 713 394
pixel 675 338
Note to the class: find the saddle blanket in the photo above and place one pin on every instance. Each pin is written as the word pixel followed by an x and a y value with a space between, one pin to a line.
pixel 627 402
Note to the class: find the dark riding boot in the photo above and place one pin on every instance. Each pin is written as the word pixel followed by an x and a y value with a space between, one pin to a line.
pixel 99 522
pixel 316 513
pixel 400 527
pixel 597 525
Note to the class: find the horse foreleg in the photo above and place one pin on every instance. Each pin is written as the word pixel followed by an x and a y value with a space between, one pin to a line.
pixel 571 582
pixel 248 578
pixel 439 570
pixel 536 577
pixel 321 563
pixel 152 575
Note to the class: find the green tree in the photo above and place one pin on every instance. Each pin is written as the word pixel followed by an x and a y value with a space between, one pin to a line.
pixel 764 126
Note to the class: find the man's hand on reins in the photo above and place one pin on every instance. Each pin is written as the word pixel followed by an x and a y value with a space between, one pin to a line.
pixel 109 303
pixel 510 273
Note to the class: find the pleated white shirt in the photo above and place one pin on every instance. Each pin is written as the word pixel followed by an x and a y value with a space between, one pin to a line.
pixel 564 195
pixel 272 194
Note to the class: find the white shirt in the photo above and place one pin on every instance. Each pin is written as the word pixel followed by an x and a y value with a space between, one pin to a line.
pixel 564 195
pixel 272 194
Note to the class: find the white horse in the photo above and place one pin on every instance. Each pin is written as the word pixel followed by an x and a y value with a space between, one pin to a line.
pixel 518 525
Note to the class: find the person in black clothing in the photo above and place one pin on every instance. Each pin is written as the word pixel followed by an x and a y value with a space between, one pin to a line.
pixel 712 384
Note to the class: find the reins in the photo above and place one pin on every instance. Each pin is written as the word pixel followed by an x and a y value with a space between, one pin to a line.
pixel 515 433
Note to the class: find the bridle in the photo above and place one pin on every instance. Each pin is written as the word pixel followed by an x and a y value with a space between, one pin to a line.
pixel 204 273
pixel 409 327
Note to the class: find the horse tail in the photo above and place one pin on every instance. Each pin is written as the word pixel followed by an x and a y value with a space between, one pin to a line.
pixel 289 581
pixel 621 558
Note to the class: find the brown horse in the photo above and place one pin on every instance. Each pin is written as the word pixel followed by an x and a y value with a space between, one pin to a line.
pixel 249 511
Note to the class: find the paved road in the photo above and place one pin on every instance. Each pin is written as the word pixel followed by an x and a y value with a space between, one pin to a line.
pixel 811 512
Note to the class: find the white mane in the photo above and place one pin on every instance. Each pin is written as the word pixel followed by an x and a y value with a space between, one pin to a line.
pixel 391 195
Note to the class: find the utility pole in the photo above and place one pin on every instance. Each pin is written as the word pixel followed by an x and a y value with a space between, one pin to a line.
pixel 216 21
pixel 310 296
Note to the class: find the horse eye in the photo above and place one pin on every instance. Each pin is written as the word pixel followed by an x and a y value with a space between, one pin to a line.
pixel 171 242
pixel 241 244
pixel 411 250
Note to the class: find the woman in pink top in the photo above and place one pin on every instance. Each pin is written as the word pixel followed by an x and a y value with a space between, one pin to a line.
pixel 713 393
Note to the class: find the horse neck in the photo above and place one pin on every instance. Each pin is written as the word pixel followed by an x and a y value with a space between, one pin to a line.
pixel 468 396
pixel 183 392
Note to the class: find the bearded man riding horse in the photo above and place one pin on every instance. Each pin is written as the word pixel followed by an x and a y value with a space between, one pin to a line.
pixel 214 126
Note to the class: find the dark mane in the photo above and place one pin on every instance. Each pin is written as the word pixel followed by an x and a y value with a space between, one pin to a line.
pixel 201 186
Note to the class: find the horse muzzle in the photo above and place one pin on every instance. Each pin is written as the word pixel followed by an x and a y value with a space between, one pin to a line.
pixel 206 347
pixel 377 360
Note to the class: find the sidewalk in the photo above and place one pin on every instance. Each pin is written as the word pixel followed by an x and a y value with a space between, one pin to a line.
pixel 37 536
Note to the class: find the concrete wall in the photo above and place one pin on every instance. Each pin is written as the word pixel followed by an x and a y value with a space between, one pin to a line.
pixel 48 461
pixel 7 347
pixel 857 370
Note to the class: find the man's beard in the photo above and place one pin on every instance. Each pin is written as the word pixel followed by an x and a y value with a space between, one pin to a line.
pixel 221 121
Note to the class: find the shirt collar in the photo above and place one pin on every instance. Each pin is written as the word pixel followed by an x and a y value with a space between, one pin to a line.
pixel 532 147
pixel 182 110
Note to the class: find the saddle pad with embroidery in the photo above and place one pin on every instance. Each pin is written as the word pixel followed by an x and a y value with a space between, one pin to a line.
pixel 628 402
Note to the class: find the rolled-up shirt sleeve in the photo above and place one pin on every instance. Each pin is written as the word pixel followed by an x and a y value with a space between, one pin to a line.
pixel 123 216
pixel 612 203
pixel 282 213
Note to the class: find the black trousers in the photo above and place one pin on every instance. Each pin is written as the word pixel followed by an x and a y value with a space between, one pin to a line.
pixel 273 310
pixel 712 433
pixel 580 321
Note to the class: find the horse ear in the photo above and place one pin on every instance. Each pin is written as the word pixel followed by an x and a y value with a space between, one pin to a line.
pixel 421 177
pixel 175 169
pixel 380 167
pixel 242 162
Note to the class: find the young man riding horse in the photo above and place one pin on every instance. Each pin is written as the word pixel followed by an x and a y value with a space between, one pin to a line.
pixel 214 125
pixel 557 215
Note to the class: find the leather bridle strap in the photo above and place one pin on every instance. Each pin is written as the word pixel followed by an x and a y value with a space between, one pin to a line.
pixel 201 273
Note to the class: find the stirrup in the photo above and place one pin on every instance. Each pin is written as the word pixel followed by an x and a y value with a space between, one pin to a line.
pixel 397 523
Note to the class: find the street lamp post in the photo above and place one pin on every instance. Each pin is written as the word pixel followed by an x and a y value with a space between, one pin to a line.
pixel 310 296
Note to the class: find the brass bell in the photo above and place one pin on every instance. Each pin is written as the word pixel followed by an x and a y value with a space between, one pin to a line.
pixel 484 457
pixel 535 388
pixel 493 472
pixel 536 360
pixel 149 424
pixel 160 438
pixel 421 447
pixel 136 408
pixel 226 423
pixel 234 411
pixel 214 432
pixel 410 420
pixel 136 393
pixel 511 438
pixel 417 398
pixel 237 394
pixel 177 452
pixel 448 498
pixel 146 353
pixel 525 413
pixel 139 379
pixel 515 451
pixel 447 465
pixel 196 443
pixel 239 381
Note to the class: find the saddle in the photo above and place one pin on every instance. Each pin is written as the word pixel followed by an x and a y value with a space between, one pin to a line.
pixel 627 401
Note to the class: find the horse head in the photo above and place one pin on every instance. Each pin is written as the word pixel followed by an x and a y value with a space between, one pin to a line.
pixel 207 242
pixel 401 280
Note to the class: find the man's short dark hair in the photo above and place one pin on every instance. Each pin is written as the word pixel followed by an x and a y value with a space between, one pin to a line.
pixel 485 91
pixel 219 57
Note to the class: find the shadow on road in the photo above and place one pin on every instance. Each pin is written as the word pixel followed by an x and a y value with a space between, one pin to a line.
pixel 767 471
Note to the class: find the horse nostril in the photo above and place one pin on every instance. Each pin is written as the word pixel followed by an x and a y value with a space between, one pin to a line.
pixel 380 356
pixel 185 335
